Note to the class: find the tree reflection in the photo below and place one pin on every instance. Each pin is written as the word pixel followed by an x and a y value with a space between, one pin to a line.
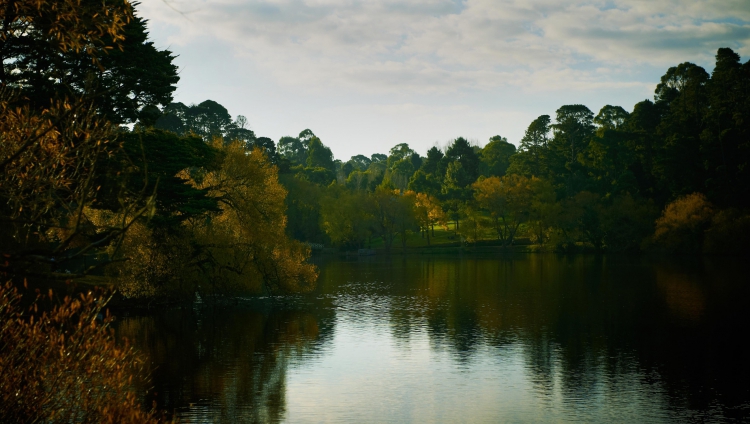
pixel 590 335
pixel 225 364
pixel 590 327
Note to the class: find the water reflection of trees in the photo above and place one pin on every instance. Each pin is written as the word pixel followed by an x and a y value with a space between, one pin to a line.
pixel 225 364
pixel 590 327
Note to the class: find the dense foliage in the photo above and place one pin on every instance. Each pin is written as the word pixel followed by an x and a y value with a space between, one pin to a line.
pixel 147 211
pixel 188 200
pixel 578 180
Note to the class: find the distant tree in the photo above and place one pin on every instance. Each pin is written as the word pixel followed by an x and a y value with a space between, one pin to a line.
pixel 430 164
pixel 293 149
pixel 208 120
pixel 428 212
pixel 401 172
pixel 495 156
pixel 572 134
pixel 611 117
pixel 462 152
pixel 360 162
pixel 398 153
pixel 383 205
pixel 610 157
pixel 725 148
pixel 422 182
pixel 508 199
pixel 239 131
pixel 305 136
pixel 682 94
pixel 319 155
pixel 265 144
pixel 378 157
pixel 532 159
pixel 683 223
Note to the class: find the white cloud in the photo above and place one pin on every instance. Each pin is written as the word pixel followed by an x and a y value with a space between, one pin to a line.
pixel 443 46
pixel 463 64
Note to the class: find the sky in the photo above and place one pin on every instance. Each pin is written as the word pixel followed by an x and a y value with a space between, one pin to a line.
pixel 365 75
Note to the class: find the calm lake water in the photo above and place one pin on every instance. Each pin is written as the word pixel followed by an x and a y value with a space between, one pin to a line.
pixel 531 338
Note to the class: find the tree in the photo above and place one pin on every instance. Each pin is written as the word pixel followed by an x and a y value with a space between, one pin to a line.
pixel 404 216
pixel 627 222
pixel 611 117
pixel 508 199
pixel 422 182
pixel 430 164
pixel 461 151
pixel 65 364
pixel 401 172
pixel 360 162
pixel 319 155
pixel 345 217
pixel 399 152
pixel 574 127
pixel 239 131
pixel 428 212
pixel 544 209
pixel 378 158
pixel 266 145
pixel 54 139
pixel 610 156
pixel 682 94
pixel 207 119
pixel 682 225
pixel 724 141
pixel 533 155
pixel 293 149
pixel 52 50
pixel 495 156
pixel 245 244
pixel 392 215
pixel 572 134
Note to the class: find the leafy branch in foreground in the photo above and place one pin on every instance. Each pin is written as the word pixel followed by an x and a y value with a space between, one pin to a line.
pixel 64 365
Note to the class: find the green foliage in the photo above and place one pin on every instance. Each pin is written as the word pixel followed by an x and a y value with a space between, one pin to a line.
pixel 345 217
pixel 61 50
pixel 152 160
pixel 532 158
pixel 495 156
pixel 293 149
pixel 319 155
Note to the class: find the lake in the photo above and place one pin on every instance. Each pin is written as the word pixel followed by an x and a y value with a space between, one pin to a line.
pixel 476 339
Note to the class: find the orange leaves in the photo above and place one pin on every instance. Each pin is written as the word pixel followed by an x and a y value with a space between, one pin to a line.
pixel 73 25
pixel 683 222
pixel 63 364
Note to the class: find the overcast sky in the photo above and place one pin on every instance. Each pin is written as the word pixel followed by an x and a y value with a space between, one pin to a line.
pixel 367 75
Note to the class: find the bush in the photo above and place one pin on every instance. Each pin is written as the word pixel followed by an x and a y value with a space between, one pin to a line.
pixel 63 365
pixel 681 227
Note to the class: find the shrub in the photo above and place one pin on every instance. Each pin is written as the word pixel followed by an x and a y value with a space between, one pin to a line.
pixel 63 364
pixel 681 227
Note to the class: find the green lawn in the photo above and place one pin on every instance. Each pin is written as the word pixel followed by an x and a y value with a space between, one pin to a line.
pixel 442 237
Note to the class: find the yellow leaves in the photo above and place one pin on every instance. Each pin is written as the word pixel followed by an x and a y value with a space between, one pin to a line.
pixel 74 25
pixel 63 364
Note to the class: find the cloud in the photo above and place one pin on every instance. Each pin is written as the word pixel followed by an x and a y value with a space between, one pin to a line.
pixel 428 46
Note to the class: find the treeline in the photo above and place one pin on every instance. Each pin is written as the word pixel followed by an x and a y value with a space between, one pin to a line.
pixel 671 175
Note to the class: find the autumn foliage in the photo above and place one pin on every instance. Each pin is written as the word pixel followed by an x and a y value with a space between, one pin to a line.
pixel 63 364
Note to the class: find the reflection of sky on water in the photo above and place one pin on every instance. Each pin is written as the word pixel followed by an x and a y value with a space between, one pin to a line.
pixel 538 338
pixel 376 373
